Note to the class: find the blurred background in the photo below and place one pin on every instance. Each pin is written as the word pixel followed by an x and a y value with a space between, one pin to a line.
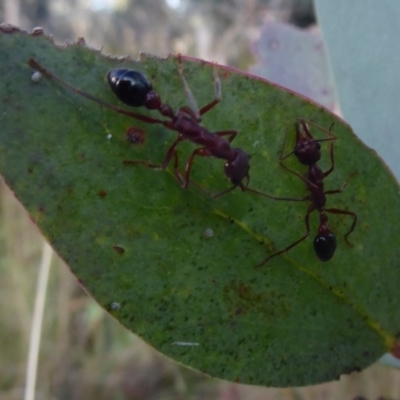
pixel 220 30
pixel 84 352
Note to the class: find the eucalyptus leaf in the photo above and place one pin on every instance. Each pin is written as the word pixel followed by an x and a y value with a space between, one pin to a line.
pixel 176 266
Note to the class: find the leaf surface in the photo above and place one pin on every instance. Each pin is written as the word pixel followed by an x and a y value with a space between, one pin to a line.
pixel 176 266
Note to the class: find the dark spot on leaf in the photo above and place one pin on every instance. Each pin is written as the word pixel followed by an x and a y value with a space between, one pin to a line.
pixel 243 291
pixel 135 135
pixel 243 297
pixel 119 249
pixel 225 74
pixel 102 193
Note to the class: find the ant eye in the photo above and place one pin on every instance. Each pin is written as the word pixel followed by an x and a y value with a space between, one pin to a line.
pixel 131 87
pixel 318 145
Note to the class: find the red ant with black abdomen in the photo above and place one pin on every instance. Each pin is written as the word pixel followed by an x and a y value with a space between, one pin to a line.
pixel 308 152
pixel 134 89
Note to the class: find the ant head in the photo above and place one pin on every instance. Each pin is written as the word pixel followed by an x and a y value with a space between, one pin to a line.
pixel 238 169
pixel 307 151
pixel 325 241
pixel 131 87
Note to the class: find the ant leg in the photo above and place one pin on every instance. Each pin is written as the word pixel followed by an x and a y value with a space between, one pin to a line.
pixel 282 157
pixel 311 208
pixel 177 172
pixel 147 164
pixel 240 185
pixel 247 189
pixel 326 173
pixel 328 132
pixel 344 186
pixel 306 131
pixel 180 177
pixel 214 196
pixel 307 182
pixel 38 67
pixel 217 91
pixel 231 134
pixel 344 212
pixel 202 152
pixel 224 192
pixel 170 153
pixel 193 104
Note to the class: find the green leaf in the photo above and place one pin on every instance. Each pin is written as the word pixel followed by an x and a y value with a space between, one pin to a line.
pixel 140 243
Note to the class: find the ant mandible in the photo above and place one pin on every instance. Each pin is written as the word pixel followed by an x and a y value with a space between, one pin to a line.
pixel 308 152
pixel 134 89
